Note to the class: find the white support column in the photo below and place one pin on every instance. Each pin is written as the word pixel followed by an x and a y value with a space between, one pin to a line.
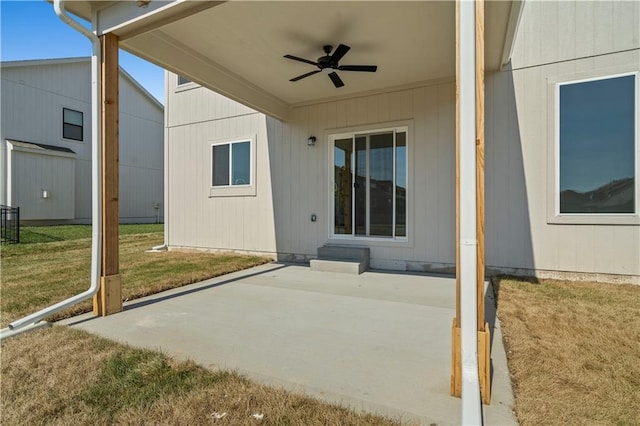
pixel 471 407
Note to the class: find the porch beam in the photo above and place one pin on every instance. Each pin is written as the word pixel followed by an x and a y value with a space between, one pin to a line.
pixel 108 300
pixel 128 19
pixel 177 57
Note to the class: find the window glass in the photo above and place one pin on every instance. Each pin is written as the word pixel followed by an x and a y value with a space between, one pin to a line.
pixel 343 174
pixel 183 80
pixel 381 185
pixel 72 126
pixel 597 146
pixel 241 153
pixel 401 184
pixel 220 163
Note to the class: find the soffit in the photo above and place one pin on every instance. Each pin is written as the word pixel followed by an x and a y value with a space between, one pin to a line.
pixel 236 48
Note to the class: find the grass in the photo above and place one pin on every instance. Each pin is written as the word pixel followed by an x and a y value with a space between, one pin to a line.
pixel 63 376
pixel 573 351
pixel 53 263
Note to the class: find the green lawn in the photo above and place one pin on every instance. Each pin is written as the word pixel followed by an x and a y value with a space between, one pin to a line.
pixel 53 263
pixel 65 376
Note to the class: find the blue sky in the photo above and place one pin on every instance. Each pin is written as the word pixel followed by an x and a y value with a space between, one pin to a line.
pixel 31 30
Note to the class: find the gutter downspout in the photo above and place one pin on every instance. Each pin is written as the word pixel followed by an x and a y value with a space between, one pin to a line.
pixel 471 407
pixel 96 186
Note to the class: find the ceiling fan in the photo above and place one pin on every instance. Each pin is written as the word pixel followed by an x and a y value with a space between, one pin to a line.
pixel 329 64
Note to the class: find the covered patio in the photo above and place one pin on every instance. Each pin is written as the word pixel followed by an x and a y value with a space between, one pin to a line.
pixel 237 49
pixel 379 341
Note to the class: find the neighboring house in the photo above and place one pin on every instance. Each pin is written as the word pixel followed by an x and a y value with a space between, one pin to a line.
pixel 562 155
pixel 45 140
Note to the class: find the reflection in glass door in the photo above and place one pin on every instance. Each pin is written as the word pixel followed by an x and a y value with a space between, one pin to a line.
pixel 343 178
pixel 370 185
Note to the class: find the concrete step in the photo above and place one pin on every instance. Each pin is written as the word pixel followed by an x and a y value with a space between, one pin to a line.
pixel 344 259
pixel 342 266
pixel 337 252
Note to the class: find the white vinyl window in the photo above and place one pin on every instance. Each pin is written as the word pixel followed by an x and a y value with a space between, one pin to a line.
pixel 233 167
pixel 596 152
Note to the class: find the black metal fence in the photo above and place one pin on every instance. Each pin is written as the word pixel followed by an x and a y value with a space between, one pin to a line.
pixel 10 224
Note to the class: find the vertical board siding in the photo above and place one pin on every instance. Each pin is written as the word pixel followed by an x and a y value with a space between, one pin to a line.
pixel 227 223
pixel 554 40
pixel 561 31
pixel 32 100
pixel 293 178
pixel 37 172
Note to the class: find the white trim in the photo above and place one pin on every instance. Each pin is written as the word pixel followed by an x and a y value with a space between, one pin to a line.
pixel 43 151
pixel 468 243
pixel 351 133
pixel 553 188
pixel 234 190
pixel 515 15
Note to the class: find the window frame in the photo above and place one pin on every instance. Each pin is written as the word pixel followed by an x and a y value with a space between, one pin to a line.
pixel 70 124
pixel 181 87
pixel 352 132
pixel 233 190
pixel 553 154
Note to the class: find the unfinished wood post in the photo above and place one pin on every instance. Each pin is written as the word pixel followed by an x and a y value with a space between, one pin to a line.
pixel 108 300
pixel 456 349
pixel 484 338
pixel 484 354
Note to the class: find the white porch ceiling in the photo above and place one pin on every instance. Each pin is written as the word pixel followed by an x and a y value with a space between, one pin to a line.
pixel 237 47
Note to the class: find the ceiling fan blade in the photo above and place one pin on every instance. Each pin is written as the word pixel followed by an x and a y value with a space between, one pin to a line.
pixel 295 58
pixel 335 78
pixel 300 77
pixel 365 68
pixel 340 51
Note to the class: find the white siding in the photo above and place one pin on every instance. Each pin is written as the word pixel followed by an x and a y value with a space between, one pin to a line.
pixel 37 173
pixel 555 40
pixel 293 178
pixel 32 100
pixel 554 31
pixel 226 223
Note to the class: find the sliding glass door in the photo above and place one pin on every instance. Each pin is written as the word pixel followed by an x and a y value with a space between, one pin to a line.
pixel 370 184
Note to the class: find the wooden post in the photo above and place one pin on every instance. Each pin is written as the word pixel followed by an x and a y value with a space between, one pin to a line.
pixel 484 347
pixel 456 349
pixel 108 300
pixel 484 338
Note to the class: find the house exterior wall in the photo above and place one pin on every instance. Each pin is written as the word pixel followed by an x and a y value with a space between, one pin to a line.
pixel 38 172
pixel 555 40
pixel 293 177
pixel 33 97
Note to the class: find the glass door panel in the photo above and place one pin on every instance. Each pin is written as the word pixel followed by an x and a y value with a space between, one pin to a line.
pixel 360 186
pixel 343 178
pixel 401 184
pixel 381 185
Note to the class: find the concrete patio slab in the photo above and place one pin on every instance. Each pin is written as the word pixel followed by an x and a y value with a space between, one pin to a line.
pixel 378 341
